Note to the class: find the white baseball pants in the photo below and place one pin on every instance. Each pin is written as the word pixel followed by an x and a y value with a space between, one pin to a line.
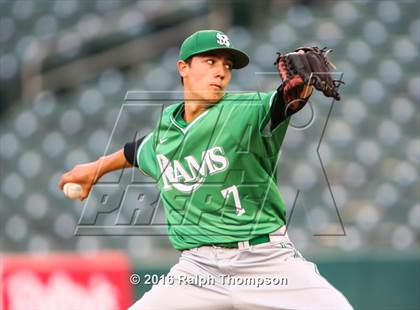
pixel 271 275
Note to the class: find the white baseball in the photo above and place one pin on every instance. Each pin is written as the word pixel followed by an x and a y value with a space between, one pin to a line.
pixel 72 190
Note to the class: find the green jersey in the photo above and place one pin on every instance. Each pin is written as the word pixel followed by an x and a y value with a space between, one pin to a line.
pixel 217 174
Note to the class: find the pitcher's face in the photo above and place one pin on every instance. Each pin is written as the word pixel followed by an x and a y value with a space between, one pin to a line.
pixel 207 76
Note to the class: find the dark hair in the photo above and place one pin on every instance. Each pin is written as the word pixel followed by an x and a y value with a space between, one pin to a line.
pixel 188 61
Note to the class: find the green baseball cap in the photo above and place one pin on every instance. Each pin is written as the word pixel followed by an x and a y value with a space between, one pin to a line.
pixel 210 40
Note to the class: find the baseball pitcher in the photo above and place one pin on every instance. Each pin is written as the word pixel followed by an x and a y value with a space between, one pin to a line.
pixel 214 157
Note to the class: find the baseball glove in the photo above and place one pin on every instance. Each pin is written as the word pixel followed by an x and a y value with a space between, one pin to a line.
pixel 306 66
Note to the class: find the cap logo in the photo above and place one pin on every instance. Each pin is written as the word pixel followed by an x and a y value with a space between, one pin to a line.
pixel 222 39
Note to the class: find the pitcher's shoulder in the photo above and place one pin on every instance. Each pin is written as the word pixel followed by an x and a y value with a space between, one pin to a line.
pixel 170 110
pixel 256 95
pixel 172 107
pixel 247 98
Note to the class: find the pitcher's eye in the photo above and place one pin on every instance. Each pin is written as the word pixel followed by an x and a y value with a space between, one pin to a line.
pixel 210 61
pixel 229 66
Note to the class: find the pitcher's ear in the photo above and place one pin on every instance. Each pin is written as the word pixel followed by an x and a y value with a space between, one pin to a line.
pixel 183 66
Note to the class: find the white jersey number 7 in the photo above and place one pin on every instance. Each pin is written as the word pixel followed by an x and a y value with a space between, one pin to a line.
pixel 234 190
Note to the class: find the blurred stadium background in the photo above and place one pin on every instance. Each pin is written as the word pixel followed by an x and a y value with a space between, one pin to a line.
pixel 67 65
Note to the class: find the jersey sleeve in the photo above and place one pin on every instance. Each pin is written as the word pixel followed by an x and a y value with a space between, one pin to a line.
pixel 146 156
pixel 270 124
pixel 264 103
pixel 255 114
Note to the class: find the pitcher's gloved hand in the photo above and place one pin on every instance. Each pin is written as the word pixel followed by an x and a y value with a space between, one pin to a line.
pixel 304 68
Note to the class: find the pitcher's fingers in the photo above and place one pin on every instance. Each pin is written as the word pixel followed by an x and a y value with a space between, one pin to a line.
pixel 85 192
pixel 64 179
